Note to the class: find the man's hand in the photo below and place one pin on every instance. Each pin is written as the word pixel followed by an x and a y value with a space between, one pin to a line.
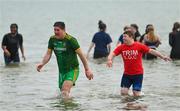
pixel 109 63
pixel 166 58
pixel 45 60
pixel 39 67
pixel 89 74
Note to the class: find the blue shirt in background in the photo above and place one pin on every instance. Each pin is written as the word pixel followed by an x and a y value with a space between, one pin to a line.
pixel 121 39
pixel 101 40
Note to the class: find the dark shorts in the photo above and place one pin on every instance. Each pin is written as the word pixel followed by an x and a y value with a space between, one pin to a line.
pixel 15 59
pixel 134 80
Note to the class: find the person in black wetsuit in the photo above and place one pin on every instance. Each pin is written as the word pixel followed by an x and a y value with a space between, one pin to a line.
pixel 174 41
pixel 11 43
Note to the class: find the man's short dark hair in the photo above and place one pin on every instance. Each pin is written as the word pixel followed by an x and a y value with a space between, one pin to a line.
pixel 61 25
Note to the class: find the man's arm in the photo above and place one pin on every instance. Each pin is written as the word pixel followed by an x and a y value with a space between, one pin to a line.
pixel 158 54
pixel 110 59
pixel 45 59
pixel 88 72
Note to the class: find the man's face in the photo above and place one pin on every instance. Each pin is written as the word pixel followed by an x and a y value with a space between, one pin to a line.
pixel 58 31
pixel 126 38
pixel 13 30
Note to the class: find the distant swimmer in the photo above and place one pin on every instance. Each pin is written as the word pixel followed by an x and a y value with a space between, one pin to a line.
pixel 152 41
pixel 174 41
pixel 136 32
pixel 120 40
pixel 66 49
pixel 101 41
pixel 131 53
pixel 146 32
pixel 11 43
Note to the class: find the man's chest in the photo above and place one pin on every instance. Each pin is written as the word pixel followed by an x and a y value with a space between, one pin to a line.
pixel 60 46
pixel 131 53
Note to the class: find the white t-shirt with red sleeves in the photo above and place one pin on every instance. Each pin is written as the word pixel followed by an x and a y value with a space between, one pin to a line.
pixel 132 57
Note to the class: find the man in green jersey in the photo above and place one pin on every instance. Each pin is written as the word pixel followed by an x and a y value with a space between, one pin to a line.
pixel 66 49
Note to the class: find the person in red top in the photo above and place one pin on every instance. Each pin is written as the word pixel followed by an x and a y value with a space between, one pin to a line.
pixel 131 53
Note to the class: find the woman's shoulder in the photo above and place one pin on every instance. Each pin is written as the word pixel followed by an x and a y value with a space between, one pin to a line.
pixel 7 34
pixel 145 37
pixel 19 35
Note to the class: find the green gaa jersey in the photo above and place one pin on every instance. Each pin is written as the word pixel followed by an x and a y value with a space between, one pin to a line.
pixel 65 52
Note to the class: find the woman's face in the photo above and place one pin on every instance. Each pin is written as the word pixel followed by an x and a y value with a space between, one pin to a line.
pixel 150 28
pixel 13 30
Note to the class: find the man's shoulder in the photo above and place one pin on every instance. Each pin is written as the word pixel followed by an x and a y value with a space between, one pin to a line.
pixel 52 36
pixel 121 46
pixel 141 46
pixel 138 43
pixel 70 37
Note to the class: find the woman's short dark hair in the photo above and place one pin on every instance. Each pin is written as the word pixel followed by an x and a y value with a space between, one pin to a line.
pixel 14 25
pixel 61 25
